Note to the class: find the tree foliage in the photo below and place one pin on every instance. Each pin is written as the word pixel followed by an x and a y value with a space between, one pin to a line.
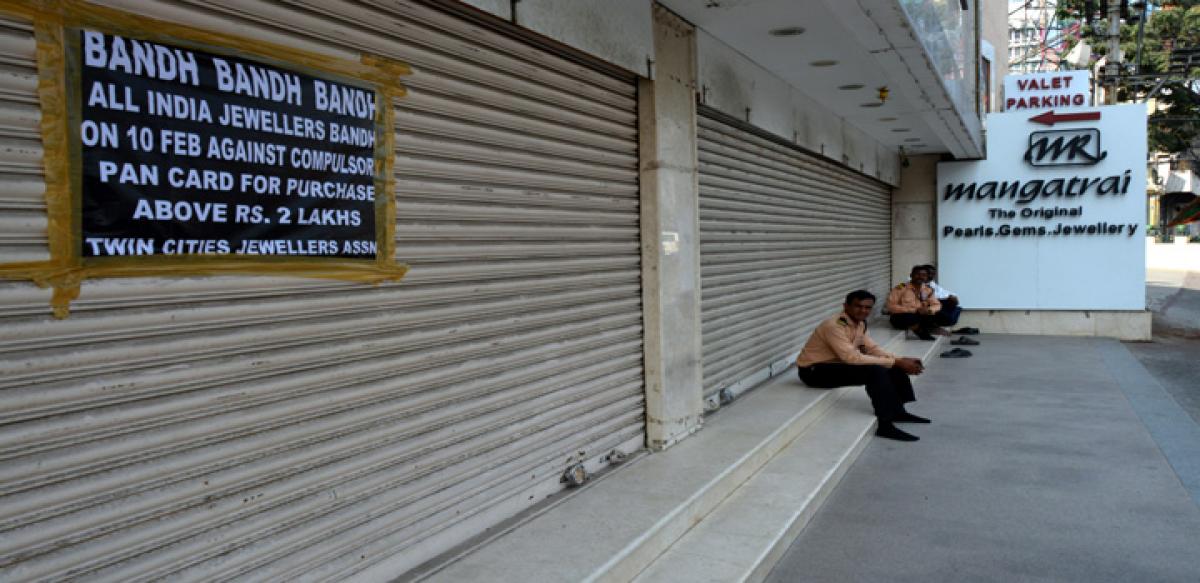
pixel 1170 25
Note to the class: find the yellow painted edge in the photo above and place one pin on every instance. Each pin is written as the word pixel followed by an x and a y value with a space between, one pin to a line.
pixel 385 190
pixel 60 218
pixel 65 271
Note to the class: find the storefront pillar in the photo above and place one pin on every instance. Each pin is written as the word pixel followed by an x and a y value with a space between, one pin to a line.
pixel 670 235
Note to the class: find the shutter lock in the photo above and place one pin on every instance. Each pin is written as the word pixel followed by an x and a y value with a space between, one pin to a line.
pixel 575 476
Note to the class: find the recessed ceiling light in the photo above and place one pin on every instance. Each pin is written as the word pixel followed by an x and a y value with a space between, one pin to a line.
pixel 787 31
pixel 871 104
pixel 824 63
pixel 852 87
pixel 901 130
pixel 888 119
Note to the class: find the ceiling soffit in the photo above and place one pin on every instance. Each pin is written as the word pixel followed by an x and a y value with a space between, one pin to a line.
pixel 871 46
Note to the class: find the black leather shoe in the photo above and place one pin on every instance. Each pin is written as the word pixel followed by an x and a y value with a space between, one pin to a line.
pixel 907 417
pixel 925 335
pixel 889 431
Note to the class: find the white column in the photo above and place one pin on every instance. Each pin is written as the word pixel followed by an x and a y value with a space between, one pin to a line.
pixel 670 235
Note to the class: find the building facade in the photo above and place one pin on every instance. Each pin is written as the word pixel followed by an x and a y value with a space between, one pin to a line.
pixel 614 216
pixel 1037 39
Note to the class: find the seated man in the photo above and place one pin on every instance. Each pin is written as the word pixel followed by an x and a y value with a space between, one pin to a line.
pixel 840 353
pixel 913 305
pixel 948 315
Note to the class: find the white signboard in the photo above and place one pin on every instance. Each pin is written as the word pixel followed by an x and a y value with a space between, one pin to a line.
pixel 1053 219
pixel 1041 91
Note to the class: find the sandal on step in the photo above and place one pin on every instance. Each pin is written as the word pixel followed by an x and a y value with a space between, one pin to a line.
pixel 956 353
pixel 967 331
pixel 964 341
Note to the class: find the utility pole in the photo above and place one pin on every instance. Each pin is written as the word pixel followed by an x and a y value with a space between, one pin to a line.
pixel 1141 36
pixel 1112 68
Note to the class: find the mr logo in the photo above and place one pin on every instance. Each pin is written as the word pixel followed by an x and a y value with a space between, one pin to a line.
pixel 1065 148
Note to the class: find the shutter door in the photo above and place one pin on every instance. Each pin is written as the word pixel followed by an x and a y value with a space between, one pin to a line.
pixel 784 236
pixel 211 428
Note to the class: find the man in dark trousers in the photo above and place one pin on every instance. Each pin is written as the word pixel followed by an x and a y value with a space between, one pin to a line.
pixel 840 353
pixel 951 310
pixel 913 305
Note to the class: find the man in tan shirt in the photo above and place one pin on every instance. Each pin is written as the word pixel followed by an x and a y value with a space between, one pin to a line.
pixel 914 306
pixel 840 353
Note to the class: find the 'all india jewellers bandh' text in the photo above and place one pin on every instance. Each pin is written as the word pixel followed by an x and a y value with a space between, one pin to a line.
pixel 228 152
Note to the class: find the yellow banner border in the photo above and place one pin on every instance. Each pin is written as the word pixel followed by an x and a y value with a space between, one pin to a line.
pixel 66 269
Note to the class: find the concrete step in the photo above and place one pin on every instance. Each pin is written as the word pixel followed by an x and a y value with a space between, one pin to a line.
pixel 743 538
pixel 614 528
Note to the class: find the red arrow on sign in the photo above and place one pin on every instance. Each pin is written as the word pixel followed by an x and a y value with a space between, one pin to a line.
pixel 1050 118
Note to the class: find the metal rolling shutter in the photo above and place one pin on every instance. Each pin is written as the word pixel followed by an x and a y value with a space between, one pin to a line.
pixel 290 429
pixel 784 236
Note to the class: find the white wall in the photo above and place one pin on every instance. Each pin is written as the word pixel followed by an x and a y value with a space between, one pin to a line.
pixel 620 32
pixel 617 31
pixel 501 8
pixel 737 86
pixel 1179 255
pixel 913 220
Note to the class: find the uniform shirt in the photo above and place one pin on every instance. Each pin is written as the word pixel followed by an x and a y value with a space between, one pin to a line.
pixel 840 339
pixel 940 292
pixel 906 299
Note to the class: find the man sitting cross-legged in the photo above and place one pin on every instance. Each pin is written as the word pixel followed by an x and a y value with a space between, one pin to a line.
pixel 913 306
pixel 840 353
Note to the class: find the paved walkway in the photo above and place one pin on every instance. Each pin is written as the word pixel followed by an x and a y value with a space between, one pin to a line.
pixel 1174 355
pixel 1050 459
pixel 1174 297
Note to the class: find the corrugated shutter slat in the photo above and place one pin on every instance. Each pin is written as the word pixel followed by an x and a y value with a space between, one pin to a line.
pixel 783 237
pixel 273 428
